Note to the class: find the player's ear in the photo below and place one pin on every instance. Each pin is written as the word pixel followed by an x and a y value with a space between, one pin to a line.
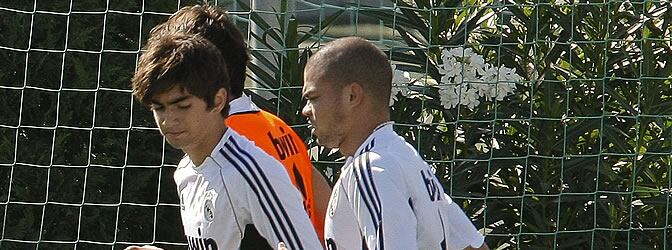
pixel 220 100
pixel 355 93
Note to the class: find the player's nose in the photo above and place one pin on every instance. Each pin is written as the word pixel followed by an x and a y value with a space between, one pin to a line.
pixel 169 117
pixel 307 110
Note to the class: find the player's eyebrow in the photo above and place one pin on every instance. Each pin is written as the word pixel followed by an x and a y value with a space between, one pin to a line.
pixel 308 93
pixel 176 100
pixel 179 99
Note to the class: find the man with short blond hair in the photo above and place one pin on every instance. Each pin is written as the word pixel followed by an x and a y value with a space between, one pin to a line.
pixel 386 196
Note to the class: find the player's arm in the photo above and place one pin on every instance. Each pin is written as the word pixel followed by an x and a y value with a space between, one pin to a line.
pixel 321 193
pixel 382 209
pixel 279 215
pixel 462 234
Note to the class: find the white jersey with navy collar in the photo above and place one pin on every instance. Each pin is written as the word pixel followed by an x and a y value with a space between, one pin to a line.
pixel 237 185
pixel 388 197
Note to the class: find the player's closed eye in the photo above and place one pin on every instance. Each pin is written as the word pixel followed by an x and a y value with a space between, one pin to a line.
pixel 157 107
pixel 310 99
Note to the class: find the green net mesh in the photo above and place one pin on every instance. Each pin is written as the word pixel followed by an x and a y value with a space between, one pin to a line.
pixel 550 123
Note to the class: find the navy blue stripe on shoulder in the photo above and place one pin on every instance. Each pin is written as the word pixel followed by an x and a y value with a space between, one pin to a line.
pixel 294 240
pixel 371 145
pixel 263 198
pixel 369 174
pixel 254 188
pixel 368 147
pixel 365 193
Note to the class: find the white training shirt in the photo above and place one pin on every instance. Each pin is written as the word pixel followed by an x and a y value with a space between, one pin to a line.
pixel 388 197
pixel 242 104
pixel 237 185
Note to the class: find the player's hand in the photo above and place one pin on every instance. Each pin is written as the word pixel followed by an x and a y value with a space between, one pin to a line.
pixel 281 246
pixel 145 247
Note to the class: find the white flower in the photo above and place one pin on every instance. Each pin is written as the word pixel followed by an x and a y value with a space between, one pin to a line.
pixel 396 89
pixel 399 76
pixel 459 79
pixel 466 77
pixel 503 89
pixel 470 74
pixel 490 75
pixel 483 89
pixel 452 53
pixel 393 94
pixel 400 79
pixel 450 67
pixel 449 96
pixel 478 63
pixel 508 74
pixel 469 98
pixel 468 52
pixel 446 79
pixel 457 52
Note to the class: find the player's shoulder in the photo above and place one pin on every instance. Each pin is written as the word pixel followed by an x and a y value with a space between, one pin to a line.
pixel 256 122
pixel 240 151
pixel 388 150
pixel 184 162
pixel 239 145
pixel 373 158
pixel 253 120
pixel 388 153
pixel 273 119
pixel 269 115
pixel 375 161
pixel 402 152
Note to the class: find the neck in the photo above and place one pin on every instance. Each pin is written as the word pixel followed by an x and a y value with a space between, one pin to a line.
pixel 360 132
pixel 198 153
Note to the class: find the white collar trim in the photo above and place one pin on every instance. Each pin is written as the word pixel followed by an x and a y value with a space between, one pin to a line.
pixel 241 105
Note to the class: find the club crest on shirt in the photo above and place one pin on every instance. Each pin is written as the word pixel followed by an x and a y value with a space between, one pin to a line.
pixel 333 202
pixel 208 207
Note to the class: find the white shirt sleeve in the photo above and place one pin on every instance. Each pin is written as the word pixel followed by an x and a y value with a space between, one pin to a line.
pixel 381 207
pixel 460 231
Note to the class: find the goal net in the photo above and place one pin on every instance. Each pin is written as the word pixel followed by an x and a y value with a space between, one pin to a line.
pixel 550 123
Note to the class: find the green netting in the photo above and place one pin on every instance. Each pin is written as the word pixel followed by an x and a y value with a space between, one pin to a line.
pixel 549 122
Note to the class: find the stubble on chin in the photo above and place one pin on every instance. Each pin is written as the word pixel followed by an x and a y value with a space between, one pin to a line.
pixel 328 141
